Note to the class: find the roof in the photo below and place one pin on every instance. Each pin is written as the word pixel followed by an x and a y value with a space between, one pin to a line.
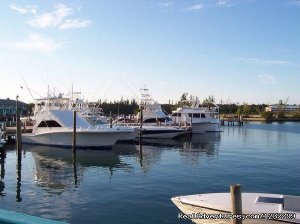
pixel 10 102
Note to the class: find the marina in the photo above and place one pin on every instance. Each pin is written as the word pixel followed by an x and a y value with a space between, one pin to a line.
pixel 262 157
pixel 142 112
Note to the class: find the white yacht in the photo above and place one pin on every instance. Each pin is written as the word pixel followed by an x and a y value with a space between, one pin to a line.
pixel 258 207
pixel 153 113
pixel 156 122
pixel 54 126
pixel 202 119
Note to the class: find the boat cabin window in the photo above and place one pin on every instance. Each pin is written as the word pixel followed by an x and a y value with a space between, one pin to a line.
pixel 196 115
pixel 203 116
pixel 49 124
pixel 160 119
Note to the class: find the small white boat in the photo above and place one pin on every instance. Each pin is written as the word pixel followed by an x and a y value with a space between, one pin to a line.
pixel 257 207
pixel 2 143
pixel 2 140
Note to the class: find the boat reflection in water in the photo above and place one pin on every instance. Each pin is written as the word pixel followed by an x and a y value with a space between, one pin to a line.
pixel 207 143
pixel 56 169
pixel 190 148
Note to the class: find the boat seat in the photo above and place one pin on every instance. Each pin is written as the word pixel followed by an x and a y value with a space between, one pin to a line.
pixel 270 200
pixel 291 203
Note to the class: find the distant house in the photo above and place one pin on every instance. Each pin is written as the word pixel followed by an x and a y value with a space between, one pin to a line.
pixel 8 109
pixel 284 108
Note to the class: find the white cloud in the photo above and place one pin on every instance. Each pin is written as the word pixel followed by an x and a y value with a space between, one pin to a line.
pixel 267 79
pixel 39 43
pixel 24 10
pixel 231 3
pixel 296 2
pixel 75 24
pixel 57 18
pixel 263 61
pixel 195 8
pixel 165 4
pixel 51 19
pixel 223 3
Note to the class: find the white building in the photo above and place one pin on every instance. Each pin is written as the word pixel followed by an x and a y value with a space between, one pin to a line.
pixel 284 108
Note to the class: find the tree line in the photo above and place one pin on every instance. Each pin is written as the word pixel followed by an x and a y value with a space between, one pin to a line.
pixel 129 107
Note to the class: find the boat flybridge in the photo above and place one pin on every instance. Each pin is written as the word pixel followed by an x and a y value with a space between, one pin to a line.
pixel 90 111
pixel 54 126
pixel 202 119
pixel 156 122
pixel 153 113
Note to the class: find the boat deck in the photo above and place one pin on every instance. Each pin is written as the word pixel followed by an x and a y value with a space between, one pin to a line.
pixel 189 209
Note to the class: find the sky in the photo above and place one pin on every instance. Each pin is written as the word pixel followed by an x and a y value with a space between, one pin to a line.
pixel 239 51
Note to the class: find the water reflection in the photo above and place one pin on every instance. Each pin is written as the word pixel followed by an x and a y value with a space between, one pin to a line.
pixel 190 148
pixel 2 175
pixel 56 168
pixel 206 144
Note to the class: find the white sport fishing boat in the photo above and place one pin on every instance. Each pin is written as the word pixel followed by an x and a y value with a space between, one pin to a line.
pixel 156 122
pixel 153 113
pixel 54 126
pixel 202 119
pixel 256 208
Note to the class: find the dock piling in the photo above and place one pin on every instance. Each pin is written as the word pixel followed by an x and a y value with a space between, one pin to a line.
pixel 18 127
pixel 74 135
pixel 236 201
pixel 110 120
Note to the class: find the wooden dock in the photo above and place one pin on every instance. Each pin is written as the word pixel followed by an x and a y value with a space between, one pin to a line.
pixel 232 121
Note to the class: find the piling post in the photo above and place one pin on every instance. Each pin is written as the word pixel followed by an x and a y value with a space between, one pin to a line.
pixel 236 201
pixel 74 135
pixel 18 127
pixel 74 148
pixel 110 120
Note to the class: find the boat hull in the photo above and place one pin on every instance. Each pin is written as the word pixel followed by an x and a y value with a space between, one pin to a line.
pixel 252 203
pixel 83 139
pixel 214 127
pixel 162 132
pixel 200 127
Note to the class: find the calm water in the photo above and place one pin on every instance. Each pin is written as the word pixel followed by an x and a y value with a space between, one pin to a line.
pixel 128 186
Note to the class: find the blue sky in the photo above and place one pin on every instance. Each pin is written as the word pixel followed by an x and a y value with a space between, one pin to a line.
pixel 237 50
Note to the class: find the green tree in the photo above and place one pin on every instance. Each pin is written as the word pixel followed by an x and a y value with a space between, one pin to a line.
pixel 246 109
pixel 208 101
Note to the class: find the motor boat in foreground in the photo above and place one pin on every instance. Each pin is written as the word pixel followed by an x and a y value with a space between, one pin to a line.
pixel 256 208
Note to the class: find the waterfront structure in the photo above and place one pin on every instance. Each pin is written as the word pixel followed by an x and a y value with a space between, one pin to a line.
pixel 283 108
pixel 8 109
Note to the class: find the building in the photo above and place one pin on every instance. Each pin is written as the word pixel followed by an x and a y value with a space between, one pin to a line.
pixel 8 109
pixel 284 108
